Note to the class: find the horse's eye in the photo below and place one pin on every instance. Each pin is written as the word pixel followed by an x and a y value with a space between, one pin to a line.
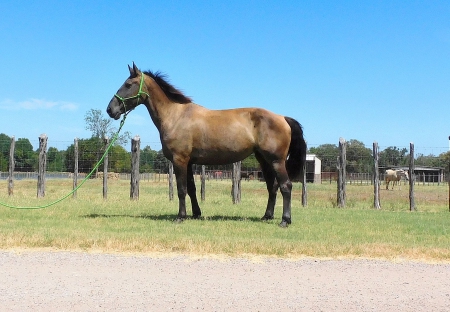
pixel 127 85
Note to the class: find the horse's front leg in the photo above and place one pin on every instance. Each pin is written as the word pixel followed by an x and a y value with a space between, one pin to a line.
pixel 192 192
pixel 180 169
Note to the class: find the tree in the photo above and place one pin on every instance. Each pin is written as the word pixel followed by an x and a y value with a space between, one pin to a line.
pixel 101 127
pixel 147 159
pixel 5 144
pixel 88 155
pixel 24 156
pixel 161 162
pixel 328 154
pixel 55 160
pixel 250 163
pixel 393 156
pixel 359 158
pixel 119 159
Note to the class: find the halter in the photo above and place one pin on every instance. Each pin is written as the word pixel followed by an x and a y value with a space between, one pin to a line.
pixel 137 96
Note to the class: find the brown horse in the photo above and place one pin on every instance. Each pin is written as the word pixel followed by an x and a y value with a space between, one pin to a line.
pixel 191 134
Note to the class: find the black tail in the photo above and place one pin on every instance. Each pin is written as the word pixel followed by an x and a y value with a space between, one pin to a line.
pixel 297 151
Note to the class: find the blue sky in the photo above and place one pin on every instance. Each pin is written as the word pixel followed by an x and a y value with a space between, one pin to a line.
pixel 364 70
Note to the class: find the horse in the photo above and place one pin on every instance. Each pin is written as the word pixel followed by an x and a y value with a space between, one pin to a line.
pixel 192 134
pixel 395 176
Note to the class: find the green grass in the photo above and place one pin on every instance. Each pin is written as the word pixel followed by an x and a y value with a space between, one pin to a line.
pixel 118 224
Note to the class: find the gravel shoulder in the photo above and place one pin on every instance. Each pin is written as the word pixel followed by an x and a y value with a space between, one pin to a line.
pixel 77 281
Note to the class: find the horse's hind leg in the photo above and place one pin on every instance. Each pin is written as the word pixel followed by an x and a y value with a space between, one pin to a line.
pixel 272 187
pixel 192 192
pixel 286 190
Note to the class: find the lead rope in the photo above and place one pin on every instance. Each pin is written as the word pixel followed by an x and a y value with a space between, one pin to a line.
pixel 84 180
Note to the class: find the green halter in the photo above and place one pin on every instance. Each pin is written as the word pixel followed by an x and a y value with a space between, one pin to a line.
pixel 137 96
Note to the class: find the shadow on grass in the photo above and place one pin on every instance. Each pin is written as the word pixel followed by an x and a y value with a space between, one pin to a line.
pixel 171 217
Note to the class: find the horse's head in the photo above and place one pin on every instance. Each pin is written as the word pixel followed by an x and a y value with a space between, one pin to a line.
pixel 403 173
pixel 129 95
pixel 406 174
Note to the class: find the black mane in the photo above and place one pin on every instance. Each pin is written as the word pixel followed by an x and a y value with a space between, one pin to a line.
pixel 170 91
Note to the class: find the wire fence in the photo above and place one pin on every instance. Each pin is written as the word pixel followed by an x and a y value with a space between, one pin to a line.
pixel 431 166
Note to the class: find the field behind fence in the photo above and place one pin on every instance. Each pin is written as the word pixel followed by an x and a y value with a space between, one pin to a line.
pixel 156 169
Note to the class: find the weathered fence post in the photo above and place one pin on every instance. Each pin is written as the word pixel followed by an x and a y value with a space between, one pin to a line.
pixel 135 155
pixel 412 177
pixel 203 184
pixel 236 184
pixel 75 167
pixel 105 169
pixel 42 165
pixel 170 181
pixel 376 178
pixel 341 164
pixel 304 193
pixel 11 167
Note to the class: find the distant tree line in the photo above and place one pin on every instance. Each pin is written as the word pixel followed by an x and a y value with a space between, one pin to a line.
pixel 360 158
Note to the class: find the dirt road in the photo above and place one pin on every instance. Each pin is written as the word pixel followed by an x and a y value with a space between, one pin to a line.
pixel 75 281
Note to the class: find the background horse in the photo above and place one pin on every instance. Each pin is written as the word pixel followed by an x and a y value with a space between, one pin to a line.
pixel 191 134
pixel 395 176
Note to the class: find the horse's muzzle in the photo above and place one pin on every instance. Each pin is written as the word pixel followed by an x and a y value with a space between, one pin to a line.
pixel 113 113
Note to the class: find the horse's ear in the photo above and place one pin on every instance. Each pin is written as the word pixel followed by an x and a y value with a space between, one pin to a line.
pixel 136 70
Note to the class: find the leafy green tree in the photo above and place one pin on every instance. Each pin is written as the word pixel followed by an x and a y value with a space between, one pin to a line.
pixel 161 163
pixel 5 143
pixel 3 163
pixel 328 154
pixel 147 159
pixel 444 161
pixel 24 156
pixel 393 156
pixel 359 158
pixel 89 151
pixel 119 159
pixel 55 160
pixel 250 163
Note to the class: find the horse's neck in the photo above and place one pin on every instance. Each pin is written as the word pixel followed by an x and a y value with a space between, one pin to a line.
pixel 164 114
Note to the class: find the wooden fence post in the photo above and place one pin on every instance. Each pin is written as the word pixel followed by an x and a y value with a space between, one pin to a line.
pixel 203 184
pixel 11 167
pixel 376 178
pixel 75 167
pixel 170 181
pixel 236 184
pixel 341 164
pixel 105 169
pixel 42 165
pixel 412 177
pixel 135 155
pixel 304 193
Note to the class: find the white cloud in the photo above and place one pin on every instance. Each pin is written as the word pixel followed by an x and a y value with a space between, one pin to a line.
pixel 37 104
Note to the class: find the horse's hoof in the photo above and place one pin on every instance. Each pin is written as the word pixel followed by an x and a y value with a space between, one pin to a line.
pixel 178 220
pixel 196 217
pixel 283 224
pixel 267 218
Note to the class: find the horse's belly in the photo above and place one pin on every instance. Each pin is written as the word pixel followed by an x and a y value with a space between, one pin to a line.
pixel 219 157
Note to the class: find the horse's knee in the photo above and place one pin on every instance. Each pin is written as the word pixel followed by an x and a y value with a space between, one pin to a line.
pixel 286 187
